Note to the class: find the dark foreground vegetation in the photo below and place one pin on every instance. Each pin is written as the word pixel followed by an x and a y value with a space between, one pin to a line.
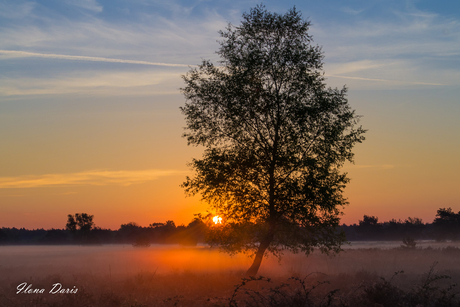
pixel 348 280
pixel 80 229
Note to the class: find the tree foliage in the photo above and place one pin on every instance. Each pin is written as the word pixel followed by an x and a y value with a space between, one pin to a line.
pixel 275 137
pixel 80 225
pixel 447 224
pixel 71 223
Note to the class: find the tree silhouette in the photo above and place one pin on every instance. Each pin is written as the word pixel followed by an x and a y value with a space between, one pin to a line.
pixel 369 221
pixel 84 221
pixel 71 223
pixel 80 225
pixel 447 224
pixel 275 138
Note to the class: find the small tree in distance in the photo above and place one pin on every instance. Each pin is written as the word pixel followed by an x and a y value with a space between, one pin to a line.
pixel 71 224
pixel 447 224
pixel 275 139
pixel 83 221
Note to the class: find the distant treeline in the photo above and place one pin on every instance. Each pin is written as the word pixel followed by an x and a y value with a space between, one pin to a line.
pixel 131 233
pixel 446 226
pixel 80 229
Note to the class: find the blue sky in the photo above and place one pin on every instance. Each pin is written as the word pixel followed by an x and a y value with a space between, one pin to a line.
pixel 93 86
pixel 397 44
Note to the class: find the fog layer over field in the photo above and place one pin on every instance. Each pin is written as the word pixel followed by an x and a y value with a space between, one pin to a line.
pixel 19 262
pixel 122 275
pixel 115 260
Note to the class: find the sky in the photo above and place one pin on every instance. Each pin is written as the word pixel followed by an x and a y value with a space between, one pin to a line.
pixel 90 119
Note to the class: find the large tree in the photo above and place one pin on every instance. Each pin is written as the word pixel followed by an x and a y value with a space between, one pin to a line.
pixel 275 138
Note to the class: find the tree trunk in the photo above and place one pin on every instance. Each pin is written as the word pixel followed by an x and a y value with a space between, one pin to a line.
pixel 259 256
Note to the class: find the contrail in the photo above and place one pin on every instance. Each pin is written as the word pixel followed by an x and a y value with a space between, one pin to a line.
pixel 85 58
pixel 383 80
pixel 110 60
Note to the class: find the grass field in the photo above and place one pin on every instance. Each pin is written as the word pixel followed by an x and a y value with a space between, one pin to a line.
pixel 120 275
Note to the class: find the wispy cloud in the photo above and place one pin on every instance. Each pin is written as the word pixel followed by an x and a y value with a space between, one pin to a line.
pixel 365 70
pixel 383 80
pixel 398 47
pixel 90 5
pixel 354 66
pixel 14 9
pixel 15 53
pixel 95 177
pixel 100 83
pixel 407 48
pixel 351 11
pixel 141 33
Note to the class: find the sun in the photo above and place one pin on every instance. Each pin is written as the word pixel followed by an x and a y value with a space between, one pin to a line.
pixel 217 220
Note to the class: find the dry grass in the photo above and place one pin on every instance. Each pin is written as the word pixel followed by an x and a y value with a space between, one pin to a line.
pixel 124 276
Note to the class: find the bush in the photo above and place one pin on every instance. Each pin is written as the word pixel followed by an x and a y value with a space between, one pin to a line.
pixel 408 243
pixel 297 292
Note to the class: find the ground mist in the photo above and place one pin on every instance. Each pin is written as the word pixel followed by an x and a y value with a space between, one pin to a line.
pixel 120 275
